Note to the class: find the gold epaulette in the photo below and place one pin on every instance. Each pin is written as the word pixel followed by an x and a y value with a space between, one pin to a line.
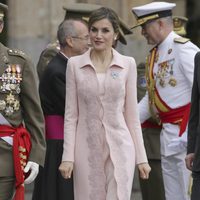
pixel 181 40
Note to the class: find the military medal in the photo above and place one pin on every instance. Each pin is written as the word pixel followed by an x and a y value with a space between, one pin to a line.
pixel 19 79
pixel 162 83
pixel 10 98
pixel 2 105
pixel 17 89
pixel 4 79
pixel 161 74
pixel 12 105
pixel 10 85
pixel 172 82
pixel 16 105
pixel 7 87
pixel 8 111
pixel 8 70
pixel 165 73
pixel 11 79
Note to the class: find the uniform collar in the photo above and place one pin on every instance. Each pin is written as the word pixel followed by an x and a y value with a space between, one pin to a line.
pixel 116 61
pixel 169 39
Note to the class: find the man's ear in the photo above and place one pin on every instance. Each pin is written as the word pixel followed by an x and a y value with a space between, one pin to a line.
pixel 161 23
pixel 69 41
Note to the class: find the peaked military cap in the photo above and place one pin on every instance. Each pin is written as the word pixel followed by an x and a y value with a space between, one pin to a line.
pixel 179 25
pixel 83 11
pixel 3 9
pixel 152 11
pixel 80 10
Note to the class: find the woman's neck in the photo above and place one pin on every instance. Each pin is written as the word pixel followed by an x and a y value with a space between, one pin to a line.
pixel 101 60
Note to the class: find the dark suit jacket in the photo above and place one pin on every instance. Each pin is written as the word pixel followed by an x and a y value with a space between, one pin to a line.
pixel 52 86
pixel 194 121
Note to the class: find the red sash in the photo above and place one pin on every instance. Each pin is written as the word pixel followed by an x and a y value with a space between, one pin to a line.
pixel 172 115
pixel 177 116
pixel 21 151
pixel 149 124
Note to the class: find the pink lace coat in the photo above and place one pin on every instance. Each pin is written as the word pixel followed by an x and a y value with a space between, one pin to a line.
pixel 89 117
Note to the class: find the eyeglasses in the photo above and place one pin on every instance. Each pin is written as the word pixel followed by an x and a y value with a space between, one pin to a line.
pixel 81 38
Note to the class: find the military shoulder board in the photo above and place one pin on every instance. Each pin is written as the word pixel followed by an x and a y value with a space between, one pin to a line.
pixel 16 52
pixel 181 40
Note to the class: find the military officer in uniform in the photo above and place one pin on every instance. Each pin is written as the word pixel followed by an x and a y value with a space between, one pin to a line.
pixel 76 10
pixel 22 144
pixel 169 75
pixel 154 188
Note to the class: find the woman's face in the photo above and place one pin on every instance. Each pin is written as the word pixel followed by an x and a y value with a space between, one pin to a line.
pixel 102 35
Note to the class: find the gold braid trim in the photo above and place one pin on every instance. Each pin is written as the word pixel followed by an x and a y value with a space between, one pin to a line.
pixel 151 83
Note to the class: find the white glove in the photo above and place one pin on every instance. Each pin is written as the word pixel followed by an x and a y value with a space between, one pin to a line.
pixel 179 142
pixel 34 169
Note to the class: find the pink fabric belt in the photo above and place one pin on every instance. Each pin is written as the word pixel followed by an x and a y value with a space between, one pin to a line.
pixel 54 125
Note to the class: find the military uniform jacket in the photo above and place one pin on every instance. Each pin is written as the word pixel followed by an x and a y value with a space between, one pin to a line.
pixel 45 57
pixel 173 74
pixel 20 103
pixel 52 86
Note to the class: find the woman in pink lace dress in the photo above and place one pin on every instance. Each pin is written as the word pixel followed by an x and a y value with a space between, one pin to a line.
pixel 103 140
